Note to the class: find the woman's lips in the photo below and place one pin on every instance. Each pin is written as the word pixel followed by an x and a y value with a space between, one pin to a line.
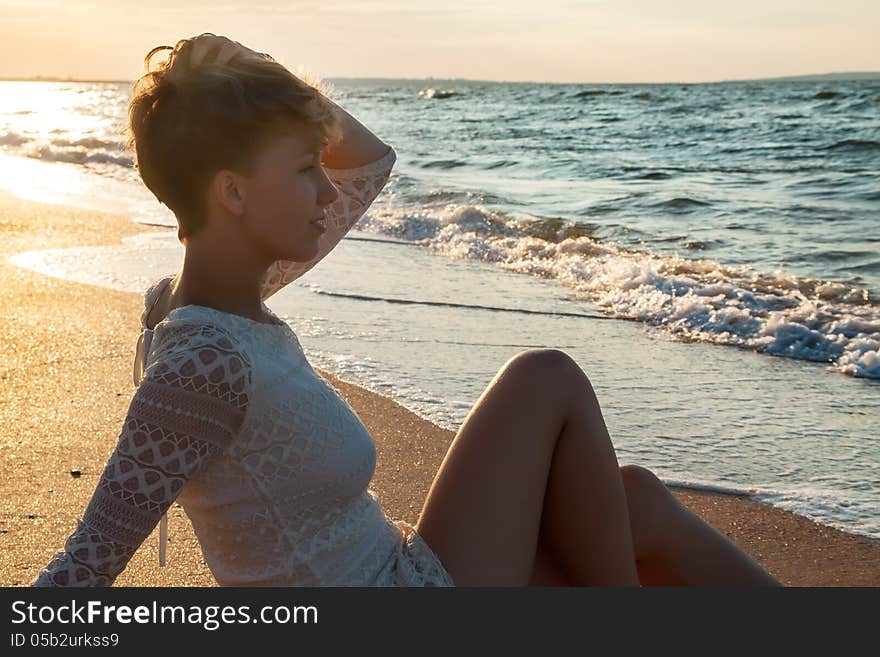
pixel 320 225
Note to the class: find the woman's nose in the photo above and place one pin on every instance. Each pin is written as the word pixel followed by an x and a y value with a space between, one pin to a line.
pixel 329 192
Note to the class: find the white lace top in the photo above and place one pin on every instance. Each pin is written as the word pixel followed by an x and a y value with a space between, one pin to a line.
pixel 270 463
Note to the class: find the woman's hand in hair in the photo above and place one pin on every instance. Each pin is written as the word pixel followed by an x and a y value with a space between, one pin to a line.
pixel 218 50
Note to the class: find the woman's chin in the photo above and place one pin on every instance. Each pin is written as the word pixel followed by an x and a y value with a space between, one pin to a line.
pixel 300 254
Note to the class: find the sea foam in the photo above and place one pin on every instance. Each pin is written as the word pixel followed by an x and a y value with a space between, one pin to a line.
pixel 701 300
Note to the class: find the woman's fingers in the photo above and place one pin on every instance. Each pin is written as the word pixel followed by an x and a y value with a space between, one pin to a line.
pixel 202 45
pixel 228 52
pixel 214 49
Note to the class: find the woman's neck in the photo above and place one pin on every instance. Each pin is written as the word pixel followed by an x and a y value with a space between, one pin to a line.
pixel 224 283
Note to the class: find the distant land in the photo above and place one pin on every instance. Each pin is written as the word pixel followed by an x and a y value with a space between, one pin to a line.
pixel 819 77
pixel 824 77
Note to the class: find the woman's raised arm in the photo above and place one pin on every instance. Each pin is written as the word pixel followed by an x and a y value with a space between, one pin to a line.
pixel 358 146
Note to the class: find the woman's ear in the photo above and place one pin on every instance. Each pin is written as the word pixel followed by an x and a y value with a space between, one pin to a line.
pixel 229 191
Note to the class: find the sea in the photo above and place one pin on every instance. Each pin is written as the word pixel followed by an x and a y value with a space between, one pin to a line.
pixel 709 254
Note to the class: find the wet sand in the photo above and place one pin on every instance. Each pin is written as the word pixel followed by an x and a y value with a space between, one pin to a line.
pixel 65 384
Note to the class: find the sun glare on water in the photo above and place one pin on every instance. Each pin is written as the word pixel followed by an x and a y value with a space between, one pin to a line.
pixel 43 124
pixel 47 109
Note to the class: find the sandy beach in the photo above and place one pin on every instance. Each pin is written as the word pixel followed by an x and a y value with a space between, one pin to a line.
pixel 65 366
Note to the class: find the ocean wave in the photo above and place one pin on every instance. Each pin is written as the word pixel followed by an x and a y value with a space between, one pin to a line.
pixel 873 266
pixel 500 164
pixel 444 164
pixel 842 255
pixel 78 156
pixel 681 204
pixel 84 150
pixel 92 143
pixel 12 139
pixel 653 175
pixel 694 300
pixel 449 304
pixel 645 95
pixel 856 144
pixel 851 514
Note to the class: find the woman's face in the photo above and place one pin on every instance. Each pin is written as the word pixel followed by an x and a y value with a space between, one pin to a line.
pixel 287 191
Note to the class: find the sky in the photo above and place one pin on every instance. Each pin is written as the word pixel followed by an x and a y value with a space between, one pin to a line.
pixel 580 41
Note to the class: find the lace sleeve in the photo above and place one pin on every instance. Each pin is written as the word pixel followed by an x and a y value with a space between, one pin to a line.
pixel 358 188
pixel 188 407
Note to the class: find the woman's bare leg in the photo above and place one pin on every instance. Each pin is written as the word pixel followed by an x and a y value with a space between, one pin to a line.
pixel 675 547
pixel 585 516
pixel 492 473
pixel 531 461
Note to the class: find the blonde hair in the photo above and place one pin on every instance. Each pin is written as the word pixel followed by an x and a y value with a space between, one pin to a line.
pixel 186 123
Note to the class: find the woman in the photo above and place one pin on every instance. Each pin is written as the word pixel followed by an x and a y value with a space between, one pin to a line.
pixel 265 175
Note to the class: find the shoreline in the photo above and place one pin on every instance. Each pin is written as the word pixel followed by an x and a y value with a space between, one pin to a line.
pixel 67 357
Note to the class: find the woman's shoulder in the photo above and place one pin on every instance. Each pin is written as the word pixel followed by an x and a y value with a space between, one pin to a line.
pixel 189 327
pixel 188 352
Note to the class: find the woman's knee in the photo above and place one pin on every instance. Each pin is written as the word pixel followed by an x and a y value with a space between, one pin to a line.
pixel 639 479
pixel 547 367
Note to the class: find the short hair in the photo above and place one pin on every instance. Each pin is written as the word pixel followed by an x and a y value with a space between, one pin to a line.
pixel 185 123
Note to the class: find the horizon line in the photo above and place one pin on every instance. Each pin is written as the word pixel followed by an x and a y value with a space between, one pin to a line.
pixel 52 78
